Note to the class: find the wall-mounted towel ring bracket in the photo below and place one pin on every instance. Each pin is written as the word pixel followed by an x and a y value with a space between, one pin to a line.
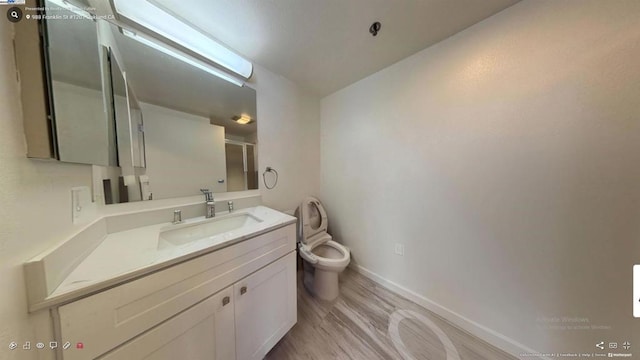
pixel 264 177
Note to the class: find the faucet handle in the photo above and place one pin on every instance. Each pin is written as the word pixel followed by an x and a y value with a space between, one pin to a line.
pixel 208 195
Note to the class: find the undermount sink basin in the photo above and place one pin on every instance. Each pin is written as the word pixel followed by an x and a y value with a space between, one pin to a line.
pixel 185 234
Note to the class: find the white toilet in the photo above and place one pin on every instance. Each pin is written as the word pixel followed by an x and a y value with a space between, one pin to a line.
pixel 317 248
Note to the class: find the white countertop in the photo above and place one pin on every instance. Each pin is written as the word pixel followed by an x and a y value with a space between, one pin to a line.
pixel 126 255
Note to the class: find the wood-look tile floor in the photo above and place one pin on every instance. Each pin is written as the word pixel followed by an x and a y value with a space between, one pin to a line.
pixel 356 326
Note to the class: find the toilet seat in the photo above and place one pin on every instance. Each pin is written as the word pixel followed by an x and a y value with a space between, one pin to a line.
pixel 339 260
pixel 330 262
pixel 314 236
pixel 311 212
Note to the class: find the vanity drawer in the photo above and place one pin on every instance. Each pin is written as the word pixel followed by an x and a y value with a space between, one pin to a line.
pixel 105 320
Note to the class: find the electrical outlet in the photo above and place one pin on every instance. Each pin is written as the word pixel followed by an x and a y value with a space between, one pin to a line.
pixel 399 249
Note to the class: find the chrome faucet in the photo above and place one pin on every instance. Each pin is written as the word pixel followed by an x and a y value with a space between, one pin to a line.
pixel 177 217
pixel 211 205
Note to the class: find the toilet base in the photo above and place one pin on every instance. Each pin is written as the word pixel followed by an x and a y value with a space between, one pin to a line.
pixel 323 284
pixel 326 284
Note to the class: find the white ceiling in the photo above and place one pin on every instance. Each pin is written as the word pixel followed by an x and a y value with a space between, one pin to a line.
pixel 325 45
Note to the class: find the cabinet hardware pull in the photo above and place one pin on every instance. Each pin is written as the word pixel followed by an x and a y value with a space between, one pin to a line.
pixel 243 290
pixel 225 300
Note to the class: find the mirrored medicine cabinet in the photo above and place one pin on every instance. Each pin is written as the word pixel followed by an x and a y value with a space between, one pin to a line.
pixel 156 127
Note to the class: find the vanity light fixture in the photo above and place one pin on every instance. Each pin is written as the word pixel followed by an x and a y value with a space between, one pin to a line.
pixel 146 40
pixel 242 119
pixel 160 21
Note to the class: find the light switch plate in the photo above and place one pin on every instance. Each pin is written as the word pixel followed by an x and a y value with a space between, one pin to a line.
pixel 399 249
pixel 82 208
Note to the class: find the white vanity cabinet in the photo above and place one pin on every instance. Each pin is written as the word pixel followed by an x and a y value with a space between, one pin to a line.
pixel 233 303
pixel 265 305
pixel 204 331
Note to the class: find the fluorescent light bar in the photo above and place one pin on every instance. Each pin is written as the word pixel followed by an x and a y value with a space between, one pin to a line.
pixel 71 7
pixel 165 49
pixel 164 24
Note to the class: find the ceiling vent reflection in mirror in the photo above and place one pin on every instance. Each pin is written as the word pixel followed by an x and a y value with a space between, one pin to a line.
pixel 158 21
pixel 242 119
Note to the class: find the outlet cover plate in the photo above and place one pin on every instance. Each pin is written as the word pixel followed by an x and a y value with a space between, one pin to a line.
pixel 399 249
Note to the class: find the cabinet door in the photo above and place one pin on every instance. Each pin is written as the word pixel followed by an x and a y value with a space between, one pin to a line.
pixel 204 331
pixel 265 306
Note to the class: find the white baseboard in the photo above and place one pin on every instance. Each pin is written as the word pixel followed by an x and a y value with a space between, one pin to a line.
pixel 492 337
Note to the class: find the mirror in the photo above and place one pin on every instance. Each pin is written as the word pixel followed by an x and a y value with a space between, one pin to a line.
pixel 158 127
pixel 121 114
pixel 114 179
pixel 83 132
pixel 176 132
pixel 137 131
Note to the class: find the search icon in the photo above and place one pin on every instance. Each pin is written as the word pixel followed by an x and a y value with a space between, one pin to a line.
pixel 14 14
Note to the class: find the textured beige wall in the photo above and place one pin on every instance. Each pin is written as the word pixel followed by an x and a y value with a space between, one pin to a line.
pixel 35 211
pixel 507 160
pixel 288 139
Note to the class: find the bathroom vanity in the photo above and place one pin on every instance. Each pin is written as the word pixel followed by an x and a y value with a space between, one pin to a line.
pixel 132 284
pixel 219 288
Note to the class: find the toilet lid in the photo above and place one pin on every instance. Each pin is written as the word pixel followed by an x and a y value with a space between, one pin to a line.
pixel 314 219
